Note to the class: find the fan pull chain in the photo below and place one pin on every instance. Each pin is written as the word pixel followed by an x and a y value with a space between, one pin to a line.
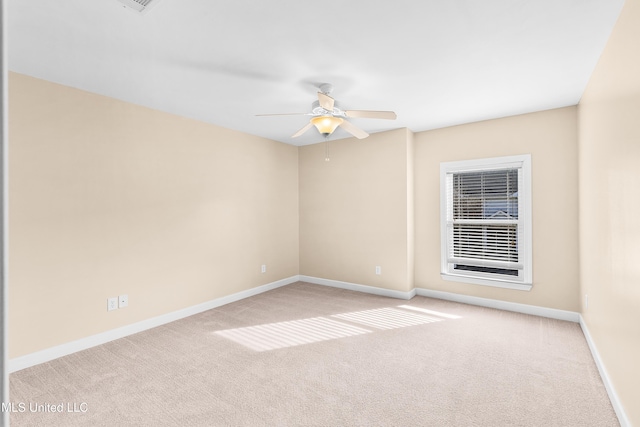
pixel 326 151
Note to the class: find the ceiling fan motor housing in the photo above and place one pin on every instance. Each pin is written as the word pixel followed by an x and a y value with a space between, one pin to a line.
pixel 317 110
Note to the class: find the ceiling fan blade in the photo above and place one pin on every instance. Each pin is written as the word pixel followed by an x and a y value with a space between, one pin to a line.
pixel 303 130
pixel 326 101
pixel 285 114
pixel 353 130
pixel 388 115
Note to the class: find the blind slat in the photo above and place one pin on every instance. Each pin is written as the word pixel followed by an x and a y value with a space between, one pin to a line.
pixel 487 263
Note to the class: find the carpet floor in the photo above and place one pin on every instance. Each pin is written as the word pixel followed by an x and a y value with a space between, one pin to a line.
pixel 309 355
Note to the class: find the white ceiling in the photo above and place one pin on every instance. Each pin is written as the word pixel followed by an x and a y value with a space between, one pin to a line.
pixel 436 63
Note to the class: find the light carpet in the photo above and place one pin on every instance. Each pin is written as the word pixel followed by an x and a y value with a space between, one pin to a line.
pixel 309 355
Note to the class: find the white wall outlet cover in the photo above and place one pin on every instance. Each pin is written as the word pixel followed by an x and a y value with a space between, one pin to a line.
pixel 264 268
pixel 112 303
pixel 123 301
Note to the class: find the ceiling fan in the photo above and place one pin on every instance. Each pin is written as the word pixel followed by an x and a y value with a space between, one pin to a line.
pixel 327 115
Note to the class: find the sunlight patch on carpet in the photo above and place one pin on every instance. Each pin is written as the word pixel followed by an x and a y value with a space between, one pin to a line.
pixel 432 312
pixel 272 336
pixel 387 318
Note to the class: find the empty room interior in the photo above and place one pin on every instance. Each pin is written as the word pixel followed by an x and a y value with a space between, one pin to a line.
pixel 187 244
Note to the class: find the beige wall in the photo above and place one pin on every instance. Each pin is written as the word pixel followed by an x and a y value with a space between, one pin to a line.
pixel 609 129
pixel 551 139
pixel 109 198
pixel 354 211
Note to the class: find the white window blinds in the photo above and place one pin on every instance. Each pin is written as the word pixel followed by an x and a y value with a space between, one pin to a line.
pixel 483 224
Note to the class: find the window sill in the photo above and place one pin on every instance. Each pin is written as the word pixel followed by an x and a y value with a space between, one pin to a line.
pixel 487 282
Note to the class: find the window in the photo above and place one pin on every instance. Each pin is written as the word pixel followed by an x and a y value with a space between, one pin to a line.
pixel 486 221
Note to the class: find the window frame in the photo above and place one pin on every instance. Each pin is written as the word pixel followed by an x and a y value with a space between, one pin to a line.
pixel 524 280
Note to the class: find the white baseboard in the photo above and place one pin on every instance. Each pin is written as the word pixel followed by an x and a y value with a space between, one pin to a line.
pixel 535 310
pixel 613 396
pixel 48 354
pixel 360 288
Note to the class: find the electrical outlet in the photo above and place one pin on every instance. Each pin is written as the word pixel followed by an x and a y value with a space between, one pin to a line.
pixel 112 303
pixel 264 268
pixel 378 270
pixel 586 301
pixel 123 301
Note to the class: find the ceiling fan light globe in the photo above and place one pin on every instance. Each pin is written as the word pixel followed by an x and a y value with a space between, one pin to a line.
pixel 326 124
